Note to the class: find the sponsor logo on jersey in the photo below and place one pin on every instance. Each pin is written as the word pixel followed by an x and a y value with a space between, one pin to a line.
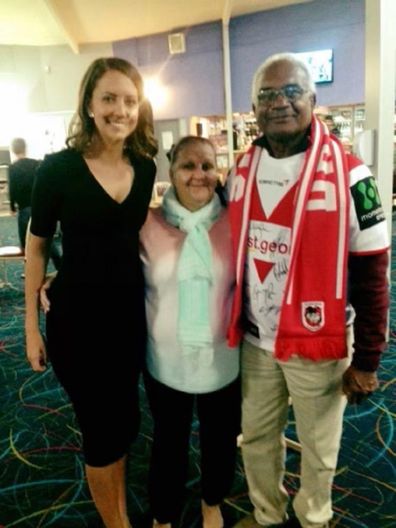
pixel 267 247
pixel 367 203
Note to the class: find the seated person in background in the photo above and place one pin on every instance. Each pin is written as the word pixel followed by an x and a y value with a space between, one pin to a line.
pixel 186 253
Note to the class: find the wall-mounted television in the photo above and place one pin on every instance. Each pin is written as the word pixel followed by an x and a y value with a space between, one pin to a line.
pixel 320 64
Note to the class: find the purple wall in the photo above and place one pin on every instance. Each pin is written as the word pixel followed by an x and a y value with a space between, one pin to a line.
pixel 337 24
pixel 194 80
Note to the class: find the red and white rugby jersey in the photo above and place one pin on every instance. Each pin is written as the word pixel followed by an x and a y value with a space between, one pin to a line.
pixel 268 242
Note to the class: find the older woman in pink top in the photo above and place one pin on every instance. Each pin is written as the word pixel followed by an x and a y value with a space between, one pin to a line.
pixel 189 276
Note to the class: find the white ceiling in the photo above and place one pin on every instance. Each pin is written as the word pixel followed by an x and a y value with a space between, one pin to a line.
pixel 77 22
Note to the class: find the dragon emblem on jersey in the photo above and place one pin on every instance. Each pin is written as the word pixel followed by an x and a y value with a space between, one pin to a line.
pixel 313 315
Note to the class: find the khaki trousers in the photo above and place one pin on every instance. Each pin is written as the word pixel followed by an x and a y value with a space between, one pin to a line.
pixel 318 403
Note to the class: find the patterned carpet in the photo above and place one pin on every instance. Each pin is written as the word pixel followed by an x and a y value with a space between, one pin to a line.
pixel 42 480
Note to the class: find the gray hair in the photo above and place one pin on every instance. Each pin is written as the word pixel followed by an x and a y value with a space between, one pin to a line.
pixel 280 57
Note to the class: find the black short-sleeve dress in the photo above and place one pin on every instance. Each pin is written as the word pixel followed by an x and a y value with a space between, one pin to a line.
pixel 96 327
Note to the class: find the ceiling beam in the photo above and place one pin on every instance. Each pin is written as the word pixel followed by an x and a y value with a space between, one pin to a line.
pixel 56 13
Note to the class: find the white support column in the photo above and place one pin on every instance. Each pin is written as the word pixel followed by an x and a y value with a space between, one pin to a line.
pixel 380 92
pixel 227 77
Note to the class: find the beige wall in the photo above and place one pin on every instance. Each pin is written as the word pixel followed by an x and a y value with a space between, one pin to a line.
pixel 50 75
pixel 62 71
pixel 36 81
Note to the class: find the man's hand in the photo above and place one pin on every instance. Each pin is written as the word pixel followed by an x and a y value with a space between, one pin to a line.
pixel 358 384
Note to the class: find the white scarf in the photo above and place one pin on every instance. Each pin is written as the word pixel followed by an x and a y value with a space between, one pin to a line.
pixel 195 269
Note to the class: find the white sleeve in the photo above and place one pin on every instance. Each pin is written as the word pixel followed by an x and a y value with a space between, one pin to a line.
pixel 368 231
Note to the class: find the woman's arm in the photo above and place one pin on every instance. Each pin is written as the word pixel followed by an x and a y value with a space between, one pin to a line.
pixel 36 263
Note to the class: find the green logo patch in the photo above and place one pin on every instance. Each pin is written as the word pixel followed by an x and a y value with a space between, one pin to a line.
pixel 367 203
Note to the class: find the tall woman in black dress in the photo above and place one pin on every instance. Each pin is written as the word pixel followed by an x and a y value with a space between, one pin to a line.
pixel 99 189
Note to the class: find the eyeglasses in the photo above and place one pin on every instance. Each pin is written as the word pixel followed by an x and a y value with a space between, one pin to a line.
pixel 291 92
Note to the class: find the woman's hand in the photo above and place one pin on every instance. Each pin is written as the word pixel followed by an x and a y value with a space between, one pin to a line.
pixel 36 251
pixel 36 351
pixel 44 301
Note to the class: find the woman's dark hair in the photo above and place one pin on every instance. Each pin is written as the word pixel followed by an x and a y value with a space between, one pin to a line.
pixel 82 127
pixel 185 141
